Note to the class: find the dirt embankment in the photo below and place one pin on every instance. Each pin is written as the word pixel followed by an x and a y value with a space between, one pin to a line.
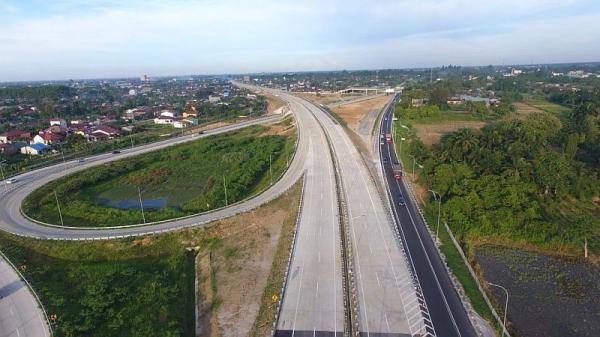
pixel 432 133
pixel 357 115
pixel 236 275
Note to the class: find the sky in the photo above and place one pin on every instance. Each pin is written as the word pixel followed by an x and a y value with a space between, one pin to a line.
pixel 66 39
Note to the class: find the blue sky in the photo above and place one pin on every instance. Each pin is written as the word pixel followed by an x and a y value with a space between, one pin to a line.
pixel 63 39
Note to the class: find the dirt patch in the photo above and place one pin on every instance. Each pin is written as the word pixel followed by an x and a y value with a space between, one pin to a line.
pixel 244 250
pixel 525 109
pixel 279 129
pixel 432 133
pixel 143 242
pixel 274 103
pixel 207 324
pixel 354 113
pixel 322 99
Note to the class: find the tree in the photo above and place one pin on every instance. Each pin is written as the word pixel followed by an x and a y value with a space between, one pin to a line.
pixel 439 96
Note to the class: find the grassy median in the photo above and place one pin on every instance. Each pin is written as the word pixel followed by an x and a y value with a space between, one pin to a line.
pixel 173 182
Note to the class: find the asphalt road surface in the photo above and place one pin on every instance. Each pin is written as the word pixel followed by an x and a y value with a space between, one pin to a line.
pixel 445 306
pixel 20 315
pixel 12 195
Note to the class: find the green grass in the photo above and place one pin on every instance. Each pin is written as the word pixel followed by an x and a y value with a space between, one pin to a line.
pixel 110 289
pixel 542 104
pixel 189 176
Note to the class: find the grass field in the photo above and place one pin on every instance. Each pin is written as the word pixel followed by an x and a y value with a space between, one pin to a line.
pixel 177 181
pixel 145 286
pixel 535 104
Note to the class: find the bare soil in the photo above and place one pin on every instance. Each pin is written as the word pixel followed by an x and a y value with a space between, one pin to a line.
pixel 354 113
pixel 525 109
pixel 322 99
pixel 242 264
pixel 432 133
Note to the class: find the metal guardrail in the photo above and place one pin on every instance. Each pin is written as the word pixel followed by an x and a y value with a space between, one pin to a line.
pixel 35 295
pixel 289 262
pixel 457 285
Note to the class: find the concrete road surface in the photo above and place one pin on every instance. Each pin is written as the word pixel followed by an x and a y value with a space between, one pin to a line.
pixel 20 315
pixel 313 298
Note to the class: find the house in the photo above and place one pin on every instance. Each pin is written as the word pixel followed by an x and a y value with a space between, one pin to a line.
pixel 135 113
pixel 180 124
pixel 11 136
pixel 104 132
pixel 214 99
pixel 454 101
pixel 8 149
pixel 168 113
pixel 47 138
pixel 164 120
pixel 35 149
pixel 417 102
pixel 58 121
pixel 191 113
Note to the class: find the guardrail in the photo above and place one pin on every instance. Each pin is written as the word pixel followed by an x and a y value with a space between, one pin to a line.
pixel 457 285
pixel 289 262
pixel 165 221
pixel 35 295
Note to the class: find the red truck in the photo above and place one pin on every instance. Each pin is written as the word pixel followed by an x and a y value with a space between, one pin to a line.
pixel 397 173
pixel 388 138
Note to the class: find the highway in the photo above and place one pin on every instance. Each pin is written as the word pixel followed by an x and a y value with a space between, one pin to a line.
pixel 19 311
pixel 396 280
pixel 447 312
pixel 13 221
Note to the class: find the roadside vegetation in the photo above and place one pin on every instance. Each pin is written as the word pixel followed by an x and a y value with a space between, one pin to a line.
pixel 145 286
pixel 177 181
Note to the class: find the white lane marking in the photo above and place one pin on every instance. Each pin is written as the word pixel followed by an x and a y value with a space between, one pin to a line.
pixel 317 291
pixel 387 322
pixel 319 258
pixel 298 299
pixel 377 277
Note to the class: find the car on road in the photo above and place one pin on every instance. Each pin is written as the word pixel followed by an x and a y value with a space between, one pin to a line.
pixel 401 201
pixel 382 143
pixel 10 181
pixel 200 132
pixel 116 152
pixel 385 160
pixel 81 160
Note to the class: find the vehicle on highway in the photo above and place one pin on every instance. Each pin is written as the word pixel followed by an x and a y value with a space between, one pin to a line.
pixel 200 132
pixel 397 173
pixel 401 201
pixel 388 138
pixel 385 160
pixel 382 143
pixel 81 160
pixel 10 181
pixel 116 152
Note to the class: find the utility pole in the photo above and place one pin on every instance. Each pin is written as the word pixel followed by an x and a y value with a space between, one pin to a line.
pixel 430 75
pixel 59 212
pixel 505 304
pixel 3 177
pixel 131 139
pixel 141 204
pixel 401 140
pixel 225 188
pixel 439 200
pixel 271 167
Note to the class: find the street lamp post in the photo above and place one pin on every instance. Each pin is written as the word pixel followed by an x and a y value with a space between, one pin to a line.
pixel 141 204
pixel 438 198
pixel 59 212
pixel 3 177
pixel 225 188
pixel 505 304
pixel 271 167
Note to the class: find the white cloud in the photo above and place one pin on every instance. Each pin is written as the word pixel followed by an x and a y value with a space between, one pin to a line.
pixel 101 39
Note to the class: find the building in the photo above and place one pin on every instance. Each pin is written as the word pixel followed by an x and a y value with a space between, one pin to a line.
pixel 35 149
pixel 417 102
pixel 168 113
pixel 454 101
pixel 214 99
pixel 246 79
pixel 59 122
pixel 144 78
pixel 132 92
pixel 515 72
pixel 11 136
pixel 164 120
pixel 191 113
pixel 47 138
pixel 104 132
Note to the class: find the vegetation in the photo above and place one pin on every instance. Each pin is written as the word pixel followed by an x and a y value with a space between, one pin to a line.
pixel 191 178
pixel 113 288
pixel 528 180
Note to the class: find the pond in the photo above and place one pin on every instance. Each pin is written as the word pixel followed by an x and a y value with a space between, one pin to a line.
pixel 548 296
pixel 157 203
